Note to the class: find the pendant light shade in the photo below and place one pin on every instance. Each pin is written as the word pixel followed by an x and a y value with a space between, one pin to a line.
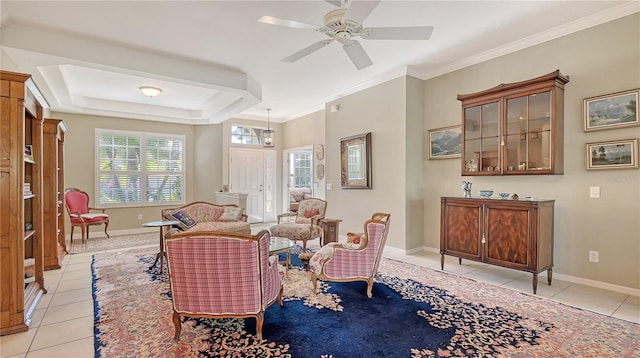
pixel 268 134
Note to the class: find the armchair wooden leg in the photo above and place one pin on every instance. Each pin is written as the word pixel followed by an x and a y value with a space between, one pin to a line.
pixel 259 323
pixel 369 287
pixel 72 227
pixel 314 280
pixel 280 296
pixel 106 225
pixel 85 234
pixel 177 325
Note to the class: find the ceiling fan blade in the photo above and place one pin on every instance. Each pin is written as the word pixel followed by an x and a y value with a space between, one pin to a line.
pixel 357 54
pixel 271 20
pixel 360 10
pixel 397 33
pixel 306 51
pixel 337 3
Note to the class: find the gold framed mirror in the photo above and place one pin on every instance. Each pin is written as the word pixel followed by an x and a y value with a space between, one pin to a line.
pixel 355 161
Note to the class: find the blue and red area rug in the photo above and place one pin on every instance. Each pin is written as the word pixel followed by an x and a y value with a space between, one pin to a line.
pixel 414 312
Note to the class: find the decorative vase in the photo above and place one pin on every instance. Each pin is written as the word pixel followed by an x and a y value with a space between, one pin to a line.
pixel 466 186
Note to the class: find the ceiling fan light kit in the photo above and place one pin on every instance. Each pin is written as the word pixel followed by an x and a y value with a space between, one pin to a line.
pixel 345 23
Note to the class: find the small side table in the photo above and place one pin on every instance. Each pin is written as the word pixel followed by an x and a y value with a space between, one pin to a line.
pixel 161 254
pixel 331 229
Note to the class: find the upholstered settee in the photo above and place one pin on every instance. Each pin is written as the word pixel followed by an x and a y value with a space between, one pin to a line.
pixel 296 195
pixel 203 216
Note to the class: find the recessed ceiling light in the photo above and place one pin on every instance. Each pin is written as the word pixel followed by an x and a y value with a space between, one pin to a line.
pixel 150 91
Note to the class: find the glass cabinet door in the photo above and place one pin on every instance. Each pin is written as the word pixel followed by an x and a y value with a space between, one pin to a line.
pixel 481 138
pixel 528 133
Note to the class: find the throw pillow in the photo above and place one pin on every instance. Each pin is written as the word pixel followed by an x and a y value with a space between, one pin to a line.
pixel 184 220
pixel 231 213
pixel 355 241
pixel 309 213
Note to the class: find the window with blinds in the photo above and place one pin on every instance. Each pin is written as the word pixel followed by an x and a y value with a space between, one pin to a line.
pixel 136 169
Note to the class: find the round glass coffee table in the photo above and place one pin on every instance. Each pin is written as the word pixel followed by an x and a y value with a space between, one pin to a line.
pixel 279 245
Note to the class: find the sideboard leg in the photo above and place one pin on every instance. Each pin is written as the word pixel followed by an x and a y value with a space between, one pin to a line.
pixel 549 273
pixel 441 261
pixel 535 282
pixel 459 260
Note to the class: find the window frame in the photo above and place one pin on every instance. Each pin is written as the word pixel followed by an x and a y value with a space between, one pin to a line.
pixel 144 173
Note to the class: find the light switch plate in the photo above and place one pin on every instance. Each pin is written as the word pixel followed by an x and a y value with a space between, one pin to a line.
pixel 594 192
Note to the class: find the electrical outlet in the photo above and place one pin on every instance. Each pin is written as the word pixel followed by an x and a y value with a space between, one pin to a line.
pixel 594 256
pixel 594 192
pixel 139 216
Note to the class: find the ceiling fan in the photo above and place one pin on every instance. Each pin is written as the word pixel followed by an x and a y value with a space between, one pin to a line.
pixel 345 23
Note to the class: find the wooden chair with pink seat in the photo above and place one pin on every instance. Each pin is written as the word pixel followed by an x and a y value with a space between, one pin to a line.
pixel 81 214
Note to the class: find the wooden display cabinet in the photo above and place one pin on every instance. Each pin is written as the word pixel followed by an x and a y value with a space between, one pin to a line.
pixel 516 234
pixel 55 247
pixel 515 128
pixel 21 245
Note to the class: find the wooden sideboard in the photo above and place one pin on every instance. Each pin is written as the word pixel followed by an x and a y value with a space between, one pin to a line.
pixel 516 234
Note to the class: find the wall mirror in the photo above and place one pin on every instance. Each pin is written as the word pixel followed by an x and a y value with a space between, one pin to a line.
pixel 355 161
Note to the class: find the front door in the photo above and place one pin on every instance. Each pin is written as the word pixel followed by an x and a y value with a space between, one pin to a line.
pixel 247 168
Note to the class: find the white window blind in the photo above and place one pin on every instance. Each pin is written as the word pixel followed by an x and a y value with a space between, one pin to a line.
pixel 136 169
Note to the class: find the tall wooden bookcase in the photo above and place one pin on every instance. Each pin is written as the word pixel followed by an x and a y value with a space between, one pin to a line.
pixel 55 247
pixel 21 200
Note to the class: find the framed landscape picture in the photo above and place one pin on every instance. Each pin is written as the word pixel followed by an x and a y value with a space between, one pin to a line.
pixel 611 111
pixel 444 143
pixel 616 154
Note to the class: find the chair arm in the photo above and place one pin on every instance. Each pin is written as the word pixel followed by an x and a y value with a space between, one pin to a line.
pixel 280 216
pixel 75 214
pixel 96 209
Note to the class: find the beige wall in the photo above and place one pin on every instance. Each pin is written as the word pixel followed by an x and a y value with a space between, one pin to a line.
pixel 600 60
pixel 306 131
pixel 80 162
pixel 303 131
pixel 207 158
pixel 380 110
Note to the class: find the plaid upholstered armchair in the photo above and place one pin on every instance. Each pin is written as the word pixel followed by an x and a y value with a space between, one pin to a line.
pixel 222 275
pixel 355 260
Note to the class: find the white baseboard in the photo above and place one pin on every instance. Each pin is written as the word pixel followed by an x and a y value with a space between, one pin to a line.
pixel 142 230
pixel 556 275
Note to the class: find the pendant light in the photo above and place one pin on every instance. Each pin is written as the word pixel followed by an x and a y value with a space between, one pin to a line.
pixel 268 133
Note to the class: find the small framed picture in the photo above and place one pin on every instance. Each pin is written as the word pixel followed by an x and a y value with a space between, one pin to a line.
pixel 616 154
pixel 611 111
pixel 28 153
pixel 444 143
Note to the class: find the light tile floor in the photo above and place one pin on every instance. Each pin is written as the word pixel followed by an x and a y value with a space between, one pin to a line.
pixel 62 325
